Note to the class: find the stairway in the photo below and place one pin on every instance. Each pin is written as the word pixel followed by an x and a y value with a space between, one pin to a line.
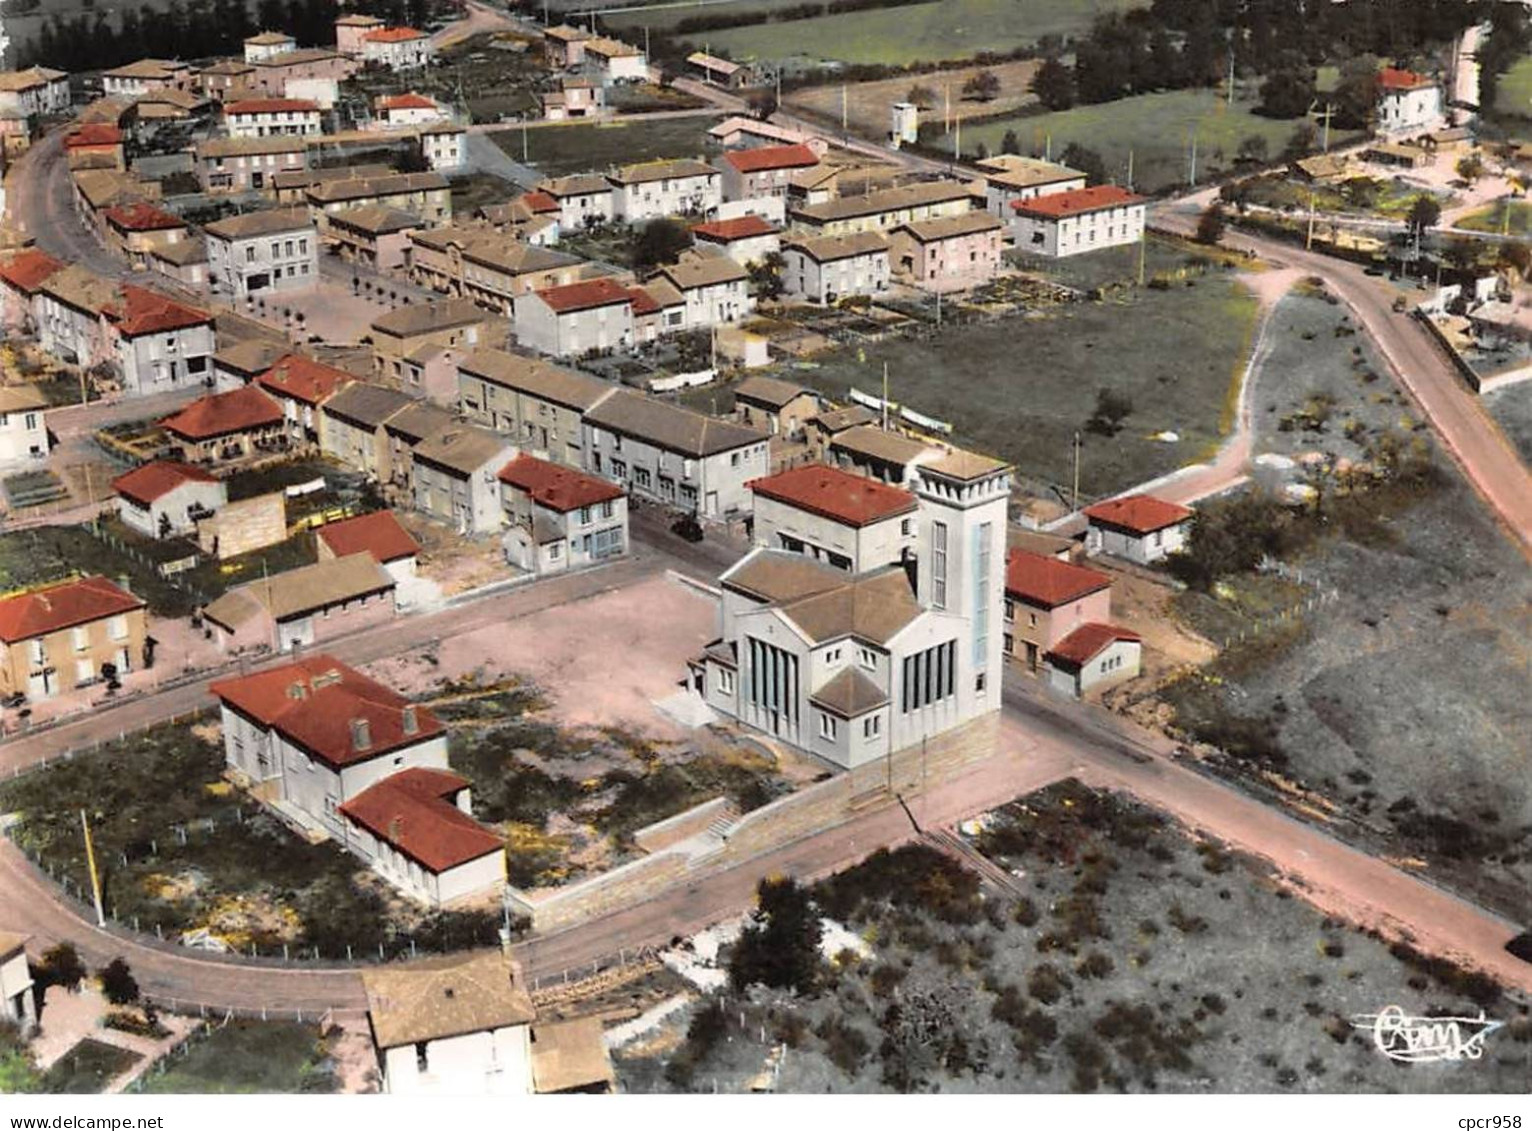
pixel 723 824
pixel 950 844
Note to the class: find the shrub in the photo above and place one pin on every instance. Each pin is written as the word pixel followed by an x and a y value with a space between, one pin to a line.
pixel 62 966
pixel 781 946
pixel 1095 965
pixel 1025 913
pixel 1047 983
pixel 845 1045
pixel 117 982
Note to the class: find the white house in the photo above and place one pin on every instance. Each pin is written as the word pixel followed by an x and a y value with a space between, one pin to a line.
pixel 397 48
pixel 272 117
pixel 35 91
pixel 1009 178
pixel 268 45
pixel 18 1003
pixel 165 498
pixel 1139 528
pixel 1407 102
pixel 1083 220
pixel 160 344
pixel 583 199
pixel 764 172
pixel 825 269
pixel 273 250
pixel 23 425
pixel 559 518
pixel 396 111
pixel 442 145
pixel 1092 656
pixel 653 189
pixel 715 288
pixel 609 61
pixel 574 319
pixel 144 77
pixel 744 239
pixel 453 477
pixel 379 533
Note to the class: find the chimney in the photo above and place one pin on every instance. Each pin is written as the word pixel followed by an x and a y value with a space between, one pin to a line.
pixel 361 734
pixel 411 724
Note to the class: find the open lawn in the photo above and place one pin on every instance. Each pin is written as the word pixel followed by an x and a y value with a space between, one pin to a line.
pixel 1156 128
pixel 257 1057
pixel 87 1068
pixel 1513 94
pixel 1510 216
pixel 1021 387
pixel 559 150
pixel 867 103
pixel 946 30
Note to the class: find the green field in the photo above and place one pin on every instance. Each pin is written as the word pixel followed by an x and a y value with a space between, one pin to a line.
pixel 1156 128
pixel 560 150
pixel 949 29
pixel 1513 93
pixel 1494 219
pixel 250 1057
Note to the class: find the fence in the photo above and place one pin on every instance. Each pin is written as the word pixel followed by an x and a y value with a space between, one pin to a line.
pixel 1293 613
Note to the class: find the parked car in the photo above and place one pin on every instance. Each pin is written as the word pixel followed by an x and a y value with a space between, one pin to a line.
pixel 687 527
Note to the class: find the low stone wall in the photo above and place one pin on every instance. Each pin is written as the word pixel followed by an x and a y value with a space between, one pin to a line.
pixel 673 830
pixel 611 891
pixel 240 527
pixel 1466 371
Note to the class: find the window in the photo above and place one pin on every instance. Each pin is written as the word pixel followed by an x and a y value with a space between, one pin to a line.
pixel 725 681
pixel 81 638
pixel 872 726
pixel 39 656
pixel 978 683
pixel 619 469
pixel 117 628
pixel 555 551
pixel 1031 620
pixel 642 477
pixel 31 421
pixel 939 564
pixel 1010 644
pixel 929 676
pixel 867 658
pixel 1010 610
pixel 733 459
pixel 276 249
pixel 584 516
pixel 826 726
pixel 250 254
pixel 832 656
pixel 606 509
pixel 904 527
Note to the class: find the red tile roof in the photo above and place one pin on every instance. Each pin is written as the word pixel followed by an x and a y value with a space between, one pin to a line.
pixel 270 106
pixel 588 295
pixel 223 414
pixel 558 488
pixel 740 228
pixel 643 301
pixel 839 495
pixel 1076 202
pixel 1047 582
pixel 410 101
pixel 92 134
pixel 771 157
pixel 538 201
pixel 1137 514
pixel 148 482
pixel 393 35
pixel 1393 78
pixel 1085 643
pixel 56 607
pixel 30 269
pixel 313 702
pixel 379 534
pixel 141 216
pixel 304 379
pixel 142 311
pixel 413 811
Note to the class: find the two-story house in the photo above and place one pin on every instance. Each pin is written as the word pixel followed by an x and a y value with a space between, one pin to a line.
pixel 417 346
pixel 1407 101
pixel 272 117
pixel 948 254
pixel 826 269
pixel 774 406
pixel 744 239
pixel 652 189
pixel 1009 178
pixel 454 477
pixel 575 319
pixel 400 111
pixel 716 289
pixel 143 77
pixel 397 48
pixel 1082 220
pixel 159 343
pixel 765 172
pixel 23 426
pixel 583 199
pixel 353 429
pixel 349 30
pixel 165 498
pixel 22 276
pixel 303 386
pixel 537 405
pixel 1046 599
pixel 426 195
pixel 139 229
pixel 558 518
pixel 610 61
pixel 240 164
pixel 884 209
pixel 274 250
pixel 35 92
pixel 68 634
pixel 267 44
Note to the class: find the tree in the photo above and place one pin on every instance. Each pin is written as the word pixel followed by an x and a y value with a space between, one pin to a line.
pixel 780 947
pixel 1470 167
pixel 18 1072
pixel 1462 254
pixel 766 275
pixel 1253 149
pixel 762 103
pixel 1356 94
pixel 62 966
pixel 1516 255
pixel 1211 225
pixel 1054 84
pixel 1301 143
pixel 412 160
pixel 662 241
pixel 1112 408
pixel 921 95
pixel 1231 535
pixel 982 87
pixel 1287 93
pixel 1424 213
pixel 118 983
pixel 1087 161
pixel 1010 143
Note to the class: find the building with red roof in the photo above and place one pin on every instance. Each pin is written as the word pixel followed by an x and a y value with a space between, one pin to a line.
pixel 302 386
pixel 95 145
pixel 137 228
pixel 355 759
pixel 1077 221
pixel 227 426
pixel 559 518
pixel 850 521
pixel 1139 528
pixel 164 497
pixel 765 172
pixel 1094 656
pixel 1046 599
pixel 409 109
pixel 68 634
pixel 1408 102
pixel 21 277
pixel 744 239
pixel 576 318
pixel 398 48
pixel 159 342
pixel 380 534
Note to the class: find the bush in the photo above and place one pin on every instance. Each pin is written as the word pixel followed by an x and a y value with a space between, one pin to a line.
pixel 117 982
pixel 1094 965
pixel 62 966
pixel 1047 983
pixel 781 945
pixel 708 1026
pixel 845 1045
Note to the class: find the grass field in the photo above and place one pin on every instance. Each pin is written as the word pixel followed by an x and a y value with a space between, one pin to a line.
pixel 87 1068
pixel 1157 128
pixel 560 150
pixel 1021 387
pixel 1513 95
pixel 949 29
pixel 259 1057
pixel 867 103
pixel 1493 218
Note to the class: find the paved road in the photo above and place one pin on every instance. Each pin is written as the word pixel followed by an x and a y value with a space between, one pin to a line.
pixel 1465 428
pixel 41 202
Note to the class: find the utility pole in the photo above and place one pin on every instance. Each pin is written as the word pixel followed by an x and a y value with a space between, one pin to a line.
pixel 1075 501
pixel 957 143
pixel 885 396
pixel 1191 172
pixel 95 878
pixel 1308 244
pixel 1130 168
pixel 1329 112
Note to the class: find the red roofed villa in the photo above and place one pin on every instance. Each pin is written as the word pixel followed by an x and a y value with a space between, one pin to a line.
pixel 1047 599
pixel 302 386
pixel 68 634
pixel 227 426
pixel 1408 102
pixel 1060 224
pixel 765 171
pixel 272 117
pixel 1139 528
pixel 573 319
pixel 164 498
pixel 400 48
pixel 21 276
pixel 835 516
pixel 380 534
pixel 559 518
pixel 744 239
pixel 1095 655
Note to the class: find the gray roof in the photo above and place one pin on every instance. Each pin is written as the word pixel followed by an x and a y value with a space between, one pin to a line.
pixel 364 188
pixel 182 252
pixel 580 184
pixel 849 694
pixel 828 249
pixel 884 200
pixel 840 419
pixel 536 378
pixel 769 391
pixel 242 146
pixel 647 172
pixel 463 448
pixel 251 356
pixel 824 602
pixel 265 223
pixel 424 317
pixel 417 421
pixel 375 219
pixel 367 405
pixel 1012 171
pixel 890 447
pixel 669 426
pixel 302 590
pixel 704 271
pixel 950 227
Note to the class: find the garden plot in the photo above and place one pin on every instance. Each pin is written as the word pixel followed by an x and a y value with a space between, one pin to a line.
pixel 867 103
pixel 1512 409
pixel 1129 957
pixel 560 149
pixel 264 1057
pixel 1397 708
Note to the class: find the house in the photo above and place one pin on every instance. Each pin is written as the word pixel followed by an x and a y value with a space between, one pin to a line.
pixel 443 147
pixel 716 289
pixel 745 240
pixel 609 61
pixel 243 360
pixel 272 117
pixel 884 209
pixel 240 164
pixel 303 386
pixel 1046 599
pixel 397 48
pixel 426 195
pixel 453 477
pixel 558 518
pixel 575 99
pixel 719 72
pixel 322 90
pixel 1009 178
pixel 226 426
pixel 878 453
pixel 68 313
pixel 353 429
pixel 826 269
pixel 1140 528
pixel 138 229
pixel 254 252
pixel 491 268
pixel 1071 223
pixel 23 425
pixel 307 66
pixel 225 79
pixel 399 111
pixel 144 76
pixel 35 92
pixel 813 186
pixel 532 217
pixel 21 278
pixel 1323 168
pixel 658 309
pixel 747 133
pixel 947 254
pixel 652 189
pixel 773 406
pixel 96 190
pixel 165 498
pixel 68 634
pixel 158 343
pixel 764 172
pixel 373 234
pixel 1093 656
pixel 349 32
pixel 409 340
pixel 302 607
pixel 183 263
pixel 865 620
pixel 1054 546
pixel 379 534
pixel 583 199
pixel 675 456
pixel 822 430
pixel 1397 154
pixel 94 145
pixel 267 44
pixel 404 431
pixel 1407 102
pixel 345 756
pixel 573 320
pixel 538 406
pixel 18 1001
